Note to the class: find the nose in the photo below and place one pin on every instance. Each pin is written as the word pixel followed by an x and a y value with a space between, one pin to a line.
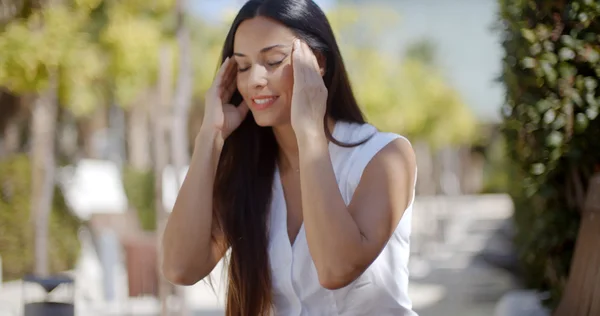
pixel 258 77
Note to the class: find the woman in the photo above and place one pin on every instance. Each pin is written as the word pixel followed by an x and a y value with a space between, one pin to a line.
pixel 313 203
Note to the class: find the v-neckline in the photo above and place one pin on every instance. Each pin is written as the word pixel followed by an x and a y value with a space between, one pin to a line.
pixel 284 207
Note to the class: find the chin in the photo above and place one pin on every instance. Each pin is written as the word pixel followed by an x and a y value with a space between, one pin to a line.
pixel 264 123
pixel 265 120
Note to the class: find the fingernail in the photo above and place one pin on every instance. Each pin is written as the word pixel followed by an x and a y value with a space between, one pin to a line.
pixel 296 43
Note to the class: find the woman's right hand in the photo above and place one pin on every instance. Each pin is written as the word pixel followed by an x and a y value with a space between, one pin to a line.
pixel 220 116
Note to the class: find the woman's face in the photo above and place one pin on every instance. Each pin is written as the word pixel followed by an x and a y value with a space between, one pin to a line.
pixel 262 50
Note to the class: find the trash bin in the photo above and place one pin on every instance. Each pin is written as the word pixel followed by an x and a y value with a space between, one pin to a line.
pixel 49 306
pixel 141 257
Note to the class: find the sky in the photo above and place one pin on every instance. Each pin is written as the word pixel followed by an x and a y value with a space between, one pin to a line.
pixel 212 9
pixel 468 51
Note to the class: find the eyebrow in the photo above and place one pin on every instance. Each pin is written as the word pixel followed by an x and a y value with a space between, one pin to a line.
pixel 264 50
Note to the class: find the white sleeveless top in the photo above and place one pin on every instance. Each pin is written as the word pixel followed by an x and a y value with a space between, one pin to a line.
pixel 382 289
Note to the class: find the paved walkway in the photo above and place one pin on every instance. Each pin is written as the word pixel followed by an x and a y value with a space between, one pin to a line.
pixel 445 255
pixel 447 277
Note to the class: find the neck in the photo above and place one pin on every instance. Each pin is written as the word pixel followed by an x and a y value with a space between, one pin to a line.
pixel 288 146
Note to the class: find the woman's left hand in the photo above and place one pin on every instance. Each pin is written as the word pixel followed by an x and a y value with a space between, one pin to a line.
pixel 309 97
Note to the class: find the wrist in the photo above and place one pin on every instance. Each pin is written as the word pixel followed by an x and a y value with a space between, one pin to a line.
pixel 312 141
pixel 208 146
pixel 209 138
pixel 310 134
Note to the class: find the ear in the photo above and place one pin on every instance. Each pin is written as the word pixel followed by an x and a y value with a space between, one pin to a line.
pixel 322 61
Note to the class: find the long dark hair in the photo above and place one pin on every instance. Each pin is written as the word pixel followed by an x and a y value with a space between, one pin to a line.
pixel 244 178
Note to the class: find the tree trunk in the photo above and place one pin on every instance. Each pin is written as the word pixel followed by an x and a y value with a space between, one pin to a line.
pixel 161 158
pixel 11 138
pixel 179 123
pixel 582 292
pixel 183 96
pixel 43 130
pixel 10 123
pixel 116 138
pixel 93 133
pixel 139 136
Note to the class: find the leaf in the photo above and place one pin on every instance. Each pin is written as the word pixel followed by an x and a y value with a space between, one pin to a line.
pixel 529 35
pixel 529 62
pixel 581 122
pixel 590 83
pixel 566 53
pixel 549 116
pixel 554 139
pixel 592 113
pixel 538 169
pixel 568 41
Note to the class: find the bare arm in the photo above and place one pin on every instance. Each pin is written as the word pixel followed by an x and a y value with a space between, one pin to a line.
pixel 345 240
pixel 191 244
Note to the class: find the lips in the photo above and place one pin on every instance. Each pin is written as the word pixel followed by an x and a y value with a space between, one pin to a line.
pixel 263 102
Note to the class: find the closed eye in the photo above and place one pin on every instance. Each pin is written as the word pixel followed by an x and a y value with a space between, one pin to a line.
pixel 272 64
pixel 275 63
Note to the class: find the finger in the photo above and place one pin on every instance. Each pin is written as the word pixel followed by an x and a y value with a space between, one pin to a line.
pixel 311 70
pixel 304 69
pixel 227 91
pixel 222 70
pixel 297 62
pixel 229 83
pixel 310 55
pixel 229 75
pixel 311 58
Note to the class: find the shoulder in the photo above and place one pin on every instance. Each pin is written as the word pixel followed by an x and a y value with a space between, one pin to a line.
pixel 380 154
pixel 396 159
pixel 383 187
pixel 397 150
pixel 377 147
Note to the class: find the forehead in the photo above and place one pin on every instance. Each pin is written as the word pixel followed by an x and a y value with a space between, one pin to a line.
pixel 254 34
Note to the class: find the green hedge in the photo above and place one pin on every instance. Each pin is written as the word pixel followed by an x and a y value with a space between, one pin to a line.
pixel 552 127
pixel 16 231
pixel 139 188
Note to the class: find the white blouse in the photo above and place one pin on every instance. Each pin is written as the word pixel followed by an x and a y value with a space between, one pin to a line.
pixel 382 289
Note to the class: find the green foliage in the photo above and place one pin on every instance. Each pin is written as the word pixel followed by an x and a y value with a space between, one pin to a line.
pixel 43 43
pixel 408 96
pixel 106 46
pixel 16 230
pixel 552 126
pixel 132 38
pixel 418 103
pixel 139 188
pixel 207 42
pixel 498 170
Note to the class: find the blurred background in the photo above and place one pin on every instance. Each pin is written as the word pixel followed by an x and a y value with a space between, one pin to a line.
pixel 100 101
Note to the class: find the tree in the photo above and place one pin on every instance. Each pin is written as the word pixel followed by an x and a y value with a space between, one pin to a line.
pixel 143 66
pixel 552 126
pixel 57 63
pixel 107 53
pixel 182 98
pixel 131 36
pixel 404 95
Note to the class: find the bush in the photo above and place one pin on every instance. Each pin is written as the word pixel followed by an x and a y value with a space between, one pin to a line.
pixel 139 188
pixel 16 230
pixel 552 126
